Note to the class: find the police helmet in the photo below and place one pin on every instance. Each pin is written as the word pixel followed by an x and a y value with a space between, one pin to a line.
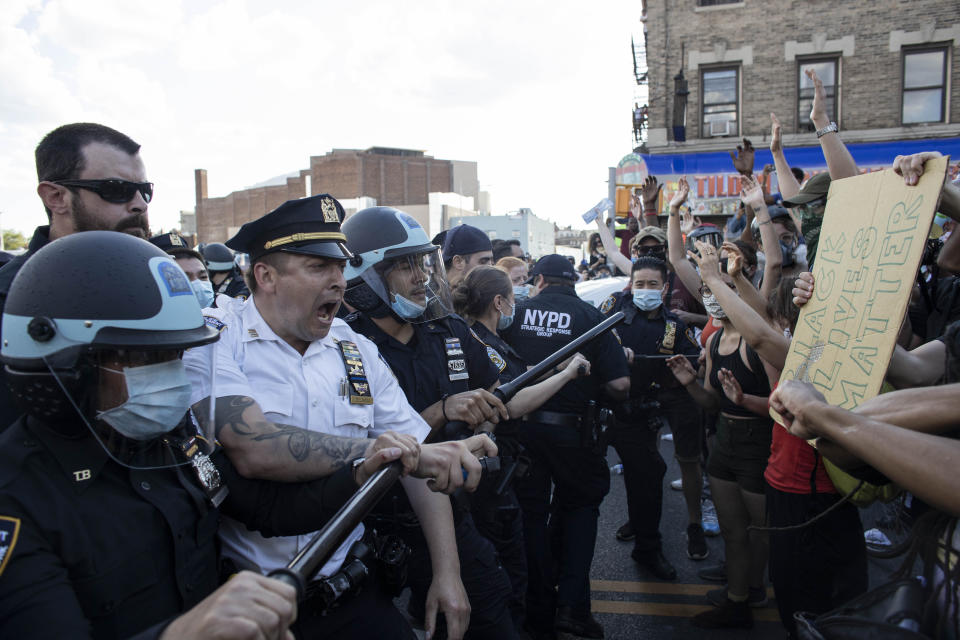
pixel 706 232
pixel 122 293
pixel 395 269
pixel 219 257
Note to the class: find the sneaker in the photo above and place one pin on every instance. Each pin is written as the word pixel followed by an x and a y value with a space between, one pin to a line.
pixel 709 522
pixel 625 532
pixel 716 573
pixel 757 597
pixel 696 543
pixel 677 485
pixel 729 615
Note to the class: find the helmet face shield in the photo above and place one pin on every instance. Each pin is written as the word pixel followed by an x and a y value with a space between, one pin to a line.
pixel 414 285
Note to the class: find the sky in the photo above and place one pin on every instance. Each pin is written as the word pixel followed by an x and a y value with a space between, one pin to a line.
pixel 538 93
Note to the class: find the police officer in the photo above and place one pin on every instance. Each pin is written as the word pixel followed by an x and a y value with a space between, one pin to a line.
pixel 192 263
pixel 298 394
pixel 650 334
pixel 560 440
pixel 108 498
pixel 485 298
pixel 225 274
pixel 396 282
pixel 465 248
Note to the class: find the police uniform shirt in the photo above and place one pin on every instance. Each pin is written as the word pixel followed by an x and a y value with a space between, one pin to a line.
pixel 555 317
pixel 652 337
pixel 302 391
pixel 424 365
pixel 510 365
pixel 91 548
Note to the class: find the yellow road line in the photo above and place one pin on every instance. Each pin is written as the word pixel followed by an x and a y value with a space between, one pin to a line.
pixel 662 609
pixel 662 588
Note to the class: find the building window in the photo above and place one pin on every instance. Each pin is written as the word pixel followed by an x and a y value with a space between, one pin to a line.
pixel 924 84
pixel 720 89
pixel 710 3
pixel 828 70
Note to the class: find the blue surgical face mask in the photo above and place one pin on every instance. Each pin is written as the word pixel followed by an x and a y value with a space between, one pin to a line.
pixel 506 320
pixel 647 299
pixel 406 308
pixel 158 396
pixel 522 291
pixel 203 289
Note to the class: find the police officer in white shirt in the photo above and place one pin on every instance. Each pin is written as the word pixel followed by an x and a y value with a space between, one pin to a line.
pixel 299 395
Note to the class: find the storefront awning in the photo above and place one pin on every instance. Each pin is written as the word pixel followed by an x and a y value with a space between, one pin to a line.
pixel 867 155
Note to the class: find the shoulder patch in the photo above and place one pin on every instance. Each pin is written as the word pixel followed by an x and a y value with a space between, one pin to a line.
pixel 496 358
pixel 214 323
pixel 9 531
pixel 607 305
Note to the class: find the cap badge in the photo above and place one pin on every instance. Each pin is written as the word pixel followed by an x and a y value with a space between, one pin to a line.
pixel 329 209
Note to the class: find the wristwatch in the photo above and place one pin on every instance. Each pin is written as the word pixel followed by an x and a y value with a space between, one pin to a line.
pixel 830 128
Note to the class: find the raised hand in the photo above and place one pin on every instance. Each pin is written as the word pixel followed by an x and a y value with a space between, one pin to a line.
pixel 743 158
pixel 706 258
pixel 776 142
pixel 734 259
pixel 683 191
pixel 649 191
pixel 818 110
pixel 688 222
pixel 750 193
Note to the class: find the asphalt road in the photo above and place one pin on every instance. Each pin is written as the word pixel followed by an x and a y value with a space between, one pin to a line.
pixel 630 603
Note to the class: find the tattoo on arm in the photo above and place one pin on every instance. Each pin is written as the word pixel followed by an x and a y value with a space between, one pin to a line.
pixel 333 452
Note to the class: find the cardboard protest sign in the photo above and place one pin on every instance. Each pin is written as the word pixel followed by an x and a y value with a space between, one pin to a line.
pixel 873 236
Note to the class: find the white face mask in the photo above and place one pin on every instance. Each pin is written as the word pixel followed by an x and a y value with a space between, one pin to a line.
pixel 158 396
pixel 713 307
pixel 203 289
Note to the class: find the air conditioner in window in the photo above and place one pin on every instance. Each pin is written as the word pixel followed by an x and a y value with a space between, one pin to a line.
pixel 722 128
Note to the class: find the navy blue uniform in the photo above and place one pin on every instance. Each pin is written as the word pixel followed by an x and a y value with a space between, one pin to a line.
pixel 499 518
pixel 636 428
pixel 9 411
pixel 444 357
pixel 233 285
pixel 89 548
pixel 554 439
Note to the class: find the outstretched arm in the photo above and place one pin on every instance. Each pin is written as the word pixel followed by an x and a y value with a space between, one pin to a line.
pixel 752 197
pixel 786 181
pixel 839 161
pixel 610 246
pixel 675 253
pixel 769 343
pixel 921 463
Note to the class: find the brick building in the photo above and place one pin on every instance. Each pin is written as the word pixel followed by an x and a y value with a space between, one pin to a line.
pixel 891 70
pixel 395 177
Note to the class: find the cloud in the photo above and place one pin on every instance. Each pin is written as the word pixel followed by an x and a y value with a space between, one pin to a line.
pixel 538 93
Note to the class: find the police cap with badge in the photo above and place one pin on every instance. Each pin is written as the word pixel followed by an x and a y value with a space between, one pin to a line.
pixel 309 226
pixel 175 245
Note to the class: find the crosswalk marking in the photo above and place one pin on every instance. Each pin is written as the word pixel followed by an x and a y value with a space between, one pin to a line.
pixel 660 588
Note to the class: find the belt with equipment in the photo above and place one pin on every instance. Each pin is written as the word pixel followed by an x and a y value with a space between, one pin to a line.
pixel 554 418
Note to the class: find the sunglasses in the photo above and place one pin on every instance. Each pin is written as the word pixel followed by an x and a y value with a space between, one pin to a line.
pixel 113 190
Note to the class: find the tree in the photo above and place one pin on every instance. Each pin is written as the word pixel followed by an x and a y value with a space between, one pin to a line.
pixel 13 239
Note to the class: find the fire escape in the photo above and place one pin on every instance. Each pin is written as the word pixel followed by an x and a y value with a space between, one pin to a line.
pixel 640 115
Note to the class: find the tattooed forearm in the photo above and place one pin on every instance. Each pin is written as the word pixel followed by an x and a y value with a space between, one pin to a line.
pixel 301 443
pixel 251 440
